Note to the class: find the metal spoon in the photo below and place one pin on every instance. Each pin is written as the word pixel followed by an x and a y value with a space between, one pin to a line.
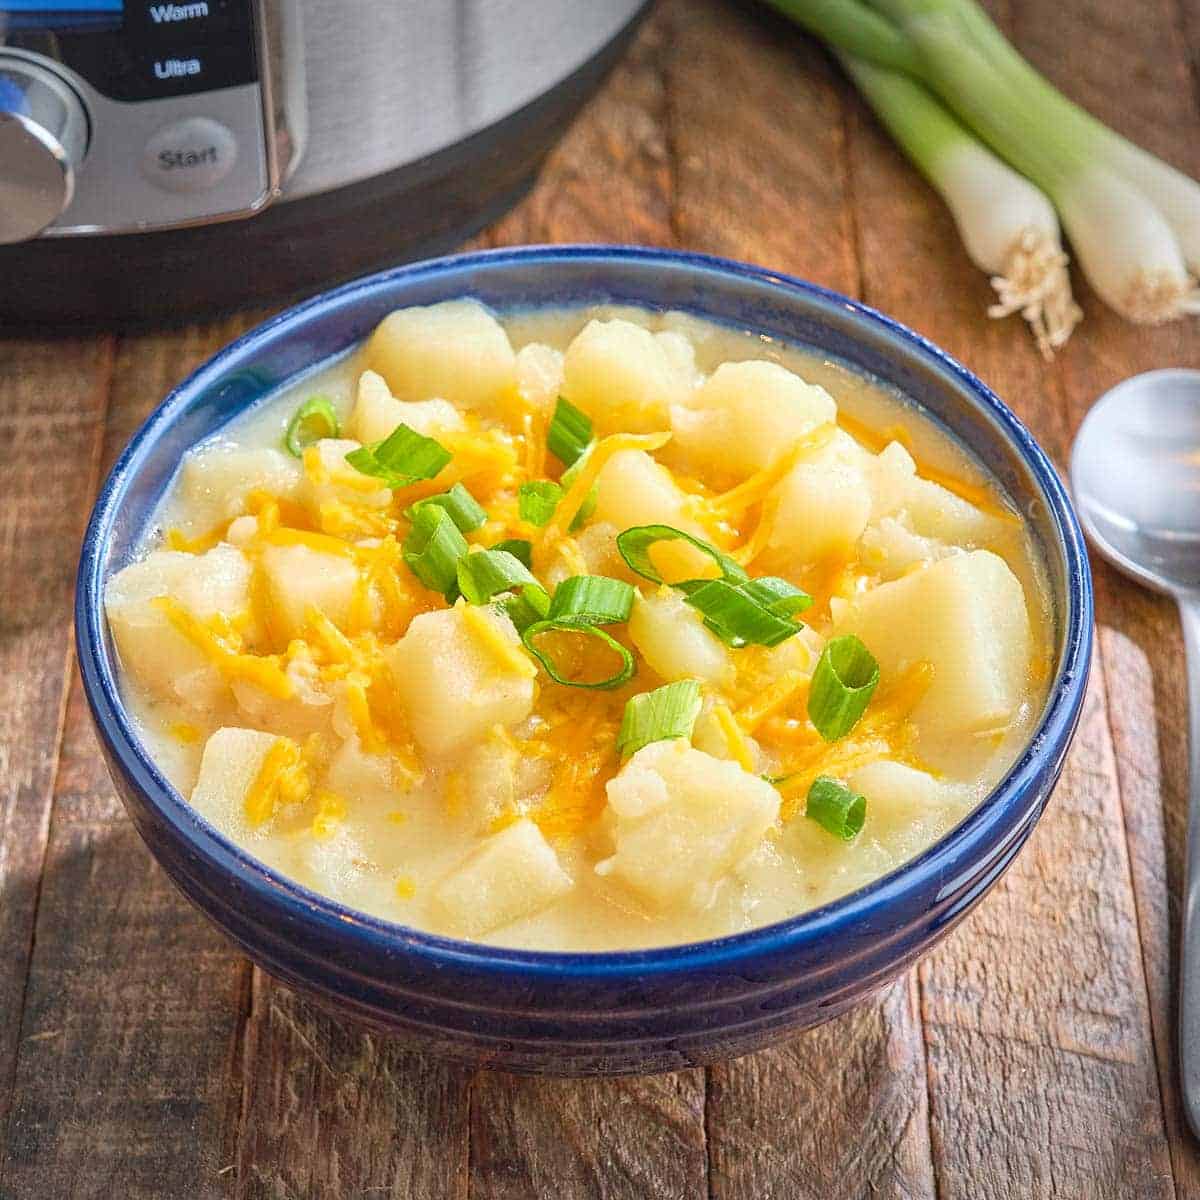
pixel 1135 472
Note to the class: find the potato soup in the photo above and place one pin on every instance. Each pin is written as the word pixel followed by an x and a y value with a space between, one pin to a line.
pixel 582 629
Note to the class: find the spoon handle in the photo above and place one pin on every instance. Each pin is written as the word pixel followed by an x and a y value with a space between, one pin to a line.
pixel 1189 965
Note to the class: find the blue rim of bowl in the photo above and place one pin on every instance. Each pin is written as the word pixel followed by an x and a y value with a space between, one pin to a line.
pixel 945 858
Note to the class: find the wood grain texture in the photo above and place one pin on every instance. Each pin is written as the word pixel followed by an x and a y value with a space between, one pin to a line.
pixel 766 179
pixel 134 1002
pixel 51 422
pixel 1139 637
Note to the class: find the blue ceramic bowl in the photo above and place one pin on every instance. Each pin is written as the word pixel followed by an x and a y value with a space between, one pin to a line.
pixel 649 1010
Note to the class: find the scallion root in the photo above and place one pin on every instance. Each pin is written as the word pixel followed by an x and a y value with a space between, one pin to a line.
pixel 1035 283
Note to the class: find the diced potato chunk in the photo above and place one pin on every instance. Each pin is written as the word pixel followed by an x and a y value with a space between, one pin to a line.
pixel 890 549
pixel 215 482
pixel 672 637
pixel 377 412
pixel 936 512
pixel 539 375
pixel 308 710
pixel 154 653
pixel 891 472
pixel 454 684
pixel 454 351
pixel 623 377
pixel 512 874
pixel 906 808
pixel 633 489
pixel 682 820
pixel 747 414
pixel 966 616
pixel 329 478
pixel 298 577
pixel 231 762
pixel 823 507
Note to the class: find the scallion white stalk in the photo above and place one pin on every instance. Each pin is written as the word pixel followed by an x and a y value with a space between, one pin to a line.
pixel 1124 243
pixel 1007 225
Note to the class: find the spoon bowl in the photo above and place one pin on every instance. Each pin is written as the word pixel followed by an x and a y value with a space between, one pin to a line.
pixel 1135 472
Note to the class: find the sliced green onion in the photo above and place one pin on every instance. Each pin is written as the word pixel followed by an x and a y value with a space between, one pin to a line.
pixel 519 548
pixel 634 545
pixel 537 500
pixel 737 618
pixel 843 683
pixel 667 712
pixel 836 808
pixel 465 511
pixel 569 434
pixel 592 600
pixel 433 548
pixel 403 457
pixel 315 419
pixel 589 501
pixel 488 573
pixel 574 625
pixel 521 612
pixel 777 595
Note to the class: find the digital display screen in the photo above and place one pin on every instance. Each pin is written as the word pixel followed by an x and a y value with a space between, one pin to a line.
pixel 60 14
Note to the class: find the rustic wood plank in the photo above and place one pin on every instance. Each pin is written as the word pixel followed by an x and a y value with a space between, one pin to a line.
pixel 764 178
pixel 332 1110
pixel 134 1001
pixel 1139 635
pixel 611 179
pixel 51 420
pixel 1042 1077
pixel 607 1138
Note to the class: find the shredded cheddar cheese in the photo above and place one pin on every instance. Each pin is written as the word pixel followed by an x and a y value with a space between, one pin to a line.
pixel 281 779
pixel 508 658
pixel 735 739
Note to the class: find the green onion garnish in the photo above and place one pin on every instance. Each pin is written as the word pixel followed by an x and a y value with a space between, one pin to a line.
pixel 843 683
pixel 519 548
pixel 667 712
pixel 576 626
pixel 736 617
pixel 315 419
pixel 777 595
pixel 465 511
pixel 537 500
pixel 634 545
pixel 589 501
pixel 401 459
pixel 836 808
pixel 592 600
pixel 433 548
pixel 569 434
pixel 488 573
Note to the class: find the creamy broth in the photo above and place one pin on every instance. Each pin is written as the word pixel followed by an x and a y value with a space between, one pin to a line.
pixel 387 827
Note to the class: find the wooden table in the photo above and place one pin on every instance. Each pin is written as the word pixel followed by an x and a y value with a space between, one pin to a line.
pixel 1030 1056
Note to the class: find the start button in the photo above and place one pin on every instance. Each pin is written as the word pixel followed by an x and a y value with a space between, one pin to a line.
pixel 191 155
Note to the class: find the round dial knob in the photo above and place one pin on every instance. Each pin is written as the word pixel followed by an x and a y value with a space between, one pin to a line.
pixel 43 138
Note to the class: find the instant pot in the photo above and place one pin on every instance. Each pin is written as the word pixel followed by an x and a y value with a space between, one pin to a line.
pixel 159 159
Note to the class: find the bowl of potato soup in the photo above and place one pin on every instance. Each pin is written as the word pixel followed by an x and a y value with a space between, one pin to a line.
pixel 584 659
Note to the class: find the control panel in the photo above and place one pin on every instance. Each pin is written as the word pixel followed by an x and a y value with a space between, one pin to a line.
pixel 168 105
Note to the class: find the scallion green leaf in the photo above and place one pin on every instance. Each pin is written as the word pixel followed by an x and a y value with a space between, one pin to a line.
pixel 667 712
pixel 777 595
pixel 465 511
pixel 403 457
pixel 634 545
pixel 519 548
pixel 573 625
pixel 488 573
pixel 843 683
pixel 592 600
pixel 537 500
pixel 736 617
pixel 432 549
pixel 315 419
pixel 570 432
pixel 836 808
